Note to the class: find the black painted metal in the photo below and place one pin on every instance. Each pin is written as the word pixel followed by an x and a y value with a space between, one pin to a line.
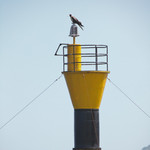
pixel 86 122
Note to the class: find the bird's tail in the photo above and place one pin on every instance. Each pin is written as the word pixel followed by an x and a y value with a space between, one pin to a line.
pixel 81 27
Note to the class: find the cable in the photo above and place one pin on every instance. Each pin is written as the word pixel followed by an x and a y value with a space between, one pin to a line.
pixel 21 110
pixel 129 98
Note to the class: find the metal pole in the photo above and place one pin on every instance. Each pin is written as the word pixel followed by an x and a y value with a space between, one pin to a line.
pixel 96 58
pixel 63 60
pixel 74 40
pixel 107 56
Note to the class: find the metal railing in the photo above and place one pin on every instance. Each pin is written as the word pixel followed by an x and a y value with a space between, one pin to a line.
pixel 91 55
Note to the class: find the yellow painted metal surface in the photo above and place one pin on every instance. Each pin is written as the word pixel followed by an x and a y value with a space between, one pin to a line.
pixel 86 88
pixel 74 49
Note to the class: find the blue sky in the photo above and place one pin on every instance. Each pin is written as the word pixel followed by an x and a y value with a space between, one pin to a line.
pixel 30 32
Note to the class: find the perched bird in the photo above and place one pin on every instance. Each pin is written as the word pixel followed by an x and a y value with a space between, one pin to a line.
pixel 75 20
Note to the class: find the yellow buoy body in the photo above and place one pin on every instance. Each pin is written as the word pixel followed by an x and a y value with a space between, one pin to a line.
pixel 86 88
pixel 74 57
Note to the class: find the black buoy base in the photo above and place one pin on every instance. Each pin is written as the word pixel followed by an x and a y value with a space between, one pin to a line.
pixel 86 129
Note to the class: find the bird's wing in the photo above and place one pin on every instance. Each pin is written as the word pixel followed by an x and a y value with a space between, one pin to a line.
pixel 75 20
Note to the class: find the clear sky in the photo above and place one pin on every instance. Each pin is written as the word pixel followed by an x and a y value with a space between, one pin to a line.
pixel 30 31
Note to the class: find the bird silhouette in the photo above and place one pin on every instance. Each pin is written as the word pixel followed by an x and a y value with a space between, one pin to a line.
pixel 75 20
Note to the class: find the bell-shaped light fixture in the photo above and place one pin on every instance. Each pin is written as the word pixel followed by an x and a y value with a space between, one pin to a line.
pixel 74 31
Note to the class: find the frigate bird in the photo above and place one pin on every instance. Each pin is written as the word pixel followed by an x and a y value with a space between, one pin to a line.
pixel 75 20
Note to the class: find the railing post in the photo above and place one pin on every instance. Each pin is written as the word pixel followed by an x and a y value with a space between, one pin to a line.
pixel 63 60
pixel 107 56
pixel 96 58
